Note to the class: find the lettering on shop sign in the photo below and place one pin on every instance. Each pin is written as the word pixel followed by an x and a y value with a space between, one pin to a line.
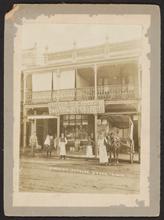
pixel 76 107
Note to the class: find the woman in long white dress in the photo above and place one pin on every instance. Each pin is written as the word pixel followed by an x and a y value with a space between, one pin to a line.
pixel 47 143
pixel 103 157
pixel 89 151
pixel 62 148
pixel 33 143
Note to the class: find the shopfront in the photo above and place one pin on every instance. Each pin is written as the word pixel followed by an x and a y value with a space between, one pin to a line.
pixel 88 120
pixel 77 122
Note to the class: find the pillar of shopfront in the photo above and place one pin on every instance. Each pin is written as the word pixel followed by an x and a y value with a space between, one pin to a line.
pixel 58 126
pixel 33 126
pixel 131 137
pixel 95 124
pixel 45 128
pixel 57 98
pixel 58 132
pixel 95 115
pixel 24 114
pixel 24 129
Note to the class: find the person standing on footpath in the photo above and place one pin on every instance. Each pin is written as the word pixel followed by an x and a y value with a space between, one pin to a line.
pixel 89 149
pixel 49 150
pixel 33 143
pixel 103 157
pixel 62 146
pixel 107 142
pixel 116 146
pixel 47 144
pixel 55 142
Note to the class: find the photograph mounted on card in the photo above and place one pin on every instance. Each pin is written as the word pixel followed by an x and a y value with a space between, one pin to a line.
pixel 81 111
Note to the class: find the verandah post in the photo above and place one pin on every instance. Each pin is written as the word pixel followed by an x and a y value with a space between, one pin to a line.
pixel 131 137
pixel 95 124
pixel 24 129
pixel 58 132
pixel 95 115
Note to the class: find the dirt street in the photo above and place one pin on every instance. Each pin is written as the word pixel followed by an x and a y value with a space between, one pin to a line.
pixel 77 176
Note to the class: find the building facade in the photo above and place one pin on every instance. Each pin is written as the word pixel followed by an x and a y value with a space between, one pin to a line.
pixel 82 92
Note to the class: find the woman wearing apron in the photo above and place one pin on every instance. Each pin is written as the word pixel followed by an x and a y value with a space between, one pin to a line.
pixel 89 151
pixel 62 144
pixel 103 157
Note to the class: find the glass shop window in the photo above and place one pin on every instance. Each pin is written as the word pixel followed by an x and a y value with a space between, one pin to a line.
pixel 75 126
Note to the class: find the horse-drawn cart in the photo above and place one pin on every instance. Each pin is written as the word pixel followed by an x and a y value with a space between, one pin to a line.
pixel 124 123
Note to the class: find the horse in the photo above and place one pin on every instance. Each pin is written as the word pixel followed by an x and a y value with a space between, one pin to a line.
pixel 114 149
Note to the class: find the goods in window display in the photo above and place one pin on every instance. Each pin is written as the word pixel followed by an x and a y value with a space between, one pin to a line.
pixel 76 128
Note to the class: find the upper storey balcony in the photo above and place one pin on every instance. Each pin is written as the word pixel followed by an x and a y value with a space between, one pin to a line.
pixel 109 82
pixel 107 93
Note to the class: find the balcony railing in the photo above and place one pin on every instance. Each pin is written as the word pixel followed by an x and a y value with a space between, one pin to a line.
pixel 108 92
pixel 116 92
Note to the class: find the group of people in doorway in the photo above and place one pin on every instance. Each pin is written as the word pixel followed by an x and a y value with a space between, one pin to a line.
pixel 108 146
pixel 50 143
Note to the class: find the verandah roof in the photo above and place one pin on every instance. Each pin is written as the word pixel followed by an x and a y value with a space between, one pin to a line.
pixel 118 121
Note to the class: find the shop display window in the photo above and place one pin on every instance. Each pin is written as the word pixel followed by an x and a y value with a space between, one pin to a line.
pixel 76 129
pixel 75 126
pixel 72 117
pixel 84 122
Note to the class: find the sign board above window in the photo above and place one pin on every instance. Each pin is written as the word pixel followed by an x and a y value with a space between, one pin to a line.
pixel 76 107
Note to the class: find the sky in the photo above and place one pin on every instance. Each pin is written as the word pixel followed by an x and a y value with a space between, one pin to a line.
pixel 60 37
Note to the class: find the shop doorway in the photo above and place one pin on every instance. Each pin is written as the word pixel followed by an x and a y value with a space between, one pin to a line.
pixel 52 126
pixel 44 127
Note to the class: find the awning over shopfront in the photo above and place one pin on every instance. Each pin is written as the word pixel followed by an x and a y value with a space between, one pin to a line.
pixel 118 121
pixel 32 117
pixel 121 108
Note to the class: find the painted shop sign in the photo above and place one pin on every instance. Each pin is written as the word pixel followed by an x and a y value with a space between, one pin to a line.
pixel 76 107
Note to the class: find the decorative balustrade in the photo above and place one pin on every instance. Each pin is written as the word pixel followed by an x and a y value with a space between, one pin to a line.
pixel 86 93
pixel 64 95
pixel 41 97
pixel 108 92
pixel 116 92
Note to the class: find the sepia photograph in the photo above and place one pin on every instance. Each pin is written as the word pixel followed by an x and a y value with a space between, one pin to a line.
pixel 80 108
pixel 81 96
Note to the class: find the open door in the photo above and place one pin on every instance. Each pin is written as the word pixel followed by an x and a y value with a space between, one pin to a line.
pixel 44 127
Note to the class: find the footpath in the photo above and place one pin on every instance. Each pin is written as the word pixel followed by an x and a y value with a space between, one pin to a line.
pixel 81 165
